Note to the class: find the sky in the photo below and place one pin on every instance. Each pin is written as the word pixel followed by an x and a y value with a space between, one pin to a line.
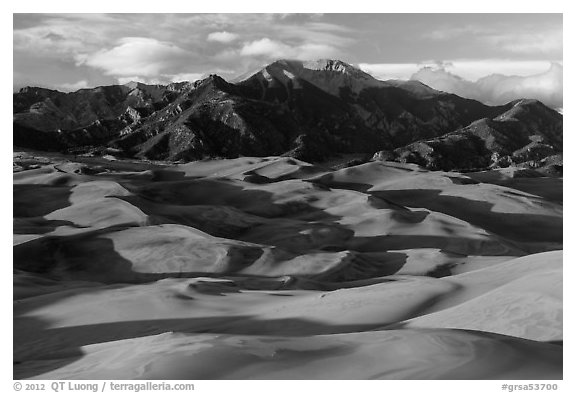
pixel 490 57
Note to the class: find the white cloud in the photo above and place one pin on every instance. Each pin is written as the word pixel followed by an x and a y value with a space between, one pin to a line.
pixel 227 55
pixel 222 36
pixel 315 51
pixel 53 41
pixel 449 32
pixel 390 71
pixel 266 47
pixel 64 36
pixel 468 69
pixel 122 80
pixel 82 84
pixel 476 69
pixel 162 79
pixel 313 32
pixel 144 57
pixel 497 88
pixel 57 48
pixel 477 78
pixel 185 77
pixel 273 49
pixel 545 42
pixel 533 40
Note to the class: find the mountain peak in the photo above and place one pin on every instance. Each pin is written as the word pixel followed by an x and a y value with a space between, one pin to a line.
pixel 133 85
pixel 36 90
pixel 331 65
pixel 327 74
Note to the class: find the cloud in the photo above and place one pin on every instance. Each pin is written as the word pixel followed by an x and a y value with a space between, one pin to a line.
pixel 49 41
pixel 390 71
pixel 101 48
pixel 82 84
pixel 476 79
pixel 475 69
pixel 222 36
pixel 185 77
pixel 227 56
pixel 315 51
pixel 162 79
pixel 145 57
pixel 122 80
pixel 63 35
pixel 528 40
pixel 315 32
pixel 448 33
pixel 545 42
pixel 273 49
pixel 498 89
pixel 472 69
pixel 266 47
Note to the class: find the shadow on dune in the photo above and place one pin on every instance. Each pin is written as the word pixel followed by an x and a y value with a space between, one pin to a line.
pixel 38 225
pixel 39 349
pixel 32 201
pixel 153 197
pixel 68 257
pixel 29 358
pixel 453 244
pixel 516 227
pixel 35 200
pixel 557 342
pixel 57 257
pixel 251 204
pixel 549 188
pixel 118 165
pixel 62 346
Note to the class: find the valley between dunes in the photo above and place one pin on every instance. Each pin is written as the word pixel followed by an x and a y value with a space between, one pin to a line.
pixel 273 268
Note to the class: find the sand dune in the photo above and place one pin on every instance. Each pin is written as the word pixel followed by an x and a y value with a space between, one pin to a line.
pixel 273 268
pixel 375 355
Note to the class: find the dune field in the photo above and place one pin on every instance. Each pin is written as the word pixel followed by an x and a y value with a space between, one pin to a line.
pixel 273 268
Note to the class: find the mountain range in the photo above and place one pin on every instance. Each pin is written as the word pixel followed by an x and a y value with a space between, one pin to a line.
pixel 313 111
